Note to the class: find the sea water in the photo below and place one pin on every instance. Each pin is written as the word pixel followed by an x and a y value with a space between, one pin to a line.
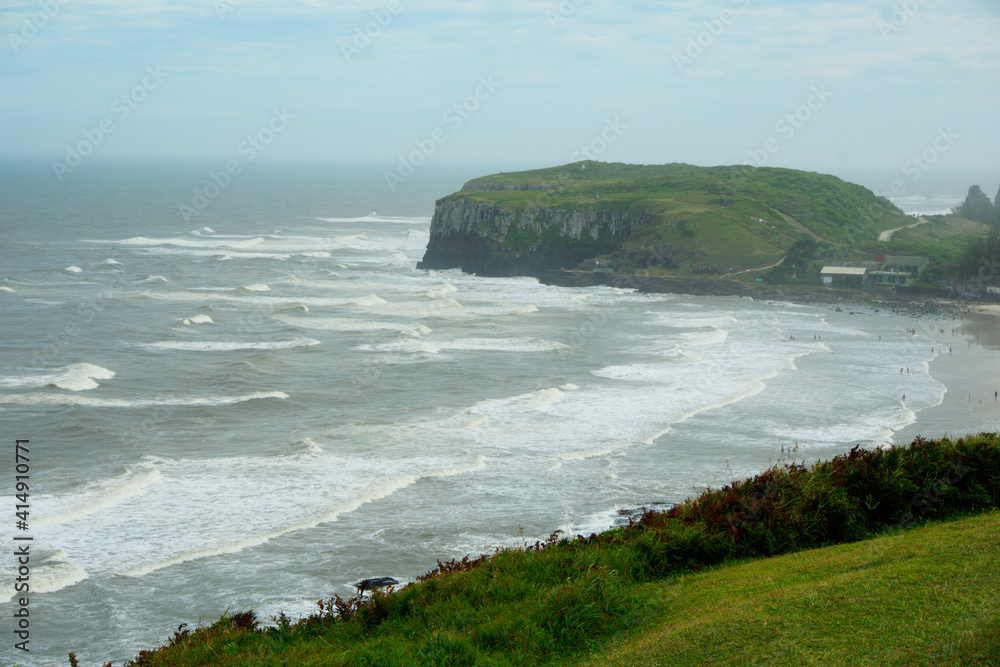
pixel 256 406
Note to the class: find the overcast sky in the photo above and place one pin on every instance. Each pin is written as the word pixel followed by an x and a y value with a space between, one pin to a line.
pixel 855 88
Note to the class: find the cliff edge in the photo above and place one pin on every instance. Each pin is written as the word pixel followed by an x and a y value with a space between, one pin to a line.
pixel 674 219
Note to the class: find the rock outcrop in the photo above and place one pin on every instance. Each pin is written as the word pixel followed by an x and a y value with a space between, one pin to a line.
pixel 489 240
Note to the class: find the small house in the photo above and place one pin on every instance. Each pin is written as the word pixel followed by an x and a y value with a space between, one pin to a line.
pixel 844 276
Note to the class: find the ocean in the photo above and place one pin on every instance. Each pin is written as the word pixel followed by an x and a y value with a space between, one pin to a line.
pixel 256 405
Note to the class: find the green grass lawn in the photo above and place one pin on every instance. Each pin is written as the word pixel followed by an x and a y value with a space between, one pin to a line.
pixel 927 596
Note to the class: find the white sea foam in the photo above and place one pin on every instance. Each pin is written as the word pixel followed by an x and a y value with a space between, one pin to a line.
pixel 583 455
pixel 230 346
pixel 308 446
pixel 349 324
pixel 73 269
pixel 75 377
pixel 713 337
pixel 752 388
pixel 539 400
pixel 377 218
pixel 256 287
pixel 245 297
pixel 193 401
pixel 185 242
pixel 155 279
pixel 111 262
pixel 442 290
pixel 55 573
pixel 95 497
pixel 197 319
pixel 466 344
pixel 357 494
pixel 4 288
pixel 318 254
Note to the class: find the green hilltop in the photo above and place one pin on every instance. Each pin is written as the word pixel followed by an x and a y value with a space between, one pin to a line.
pixel 695 220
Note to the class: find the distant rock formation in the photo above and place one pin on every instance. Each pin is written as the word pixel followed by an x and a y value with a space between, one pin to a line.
pixel 977 206
pixel 600 218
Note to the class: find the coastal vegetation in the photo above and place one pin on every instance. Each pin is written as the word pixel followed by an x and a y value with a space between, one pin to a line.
pixel 706 230
pixel 749 573
pixel 688 220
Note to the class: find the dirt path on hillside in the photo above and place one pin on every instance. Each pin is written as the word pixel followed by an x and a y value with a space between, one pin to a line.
pixel 759 268
pixel 802 228
pixel 886 236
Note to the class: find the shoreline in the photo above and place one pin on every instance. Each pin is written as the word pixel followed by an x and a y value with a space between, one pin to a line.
pixel 807 295
pixel 969 373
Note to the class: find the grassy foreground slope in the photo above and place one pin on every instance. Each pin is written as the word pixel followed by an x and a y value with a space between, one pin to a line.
pixel 705 218
pixel 566 601
pixel 925 596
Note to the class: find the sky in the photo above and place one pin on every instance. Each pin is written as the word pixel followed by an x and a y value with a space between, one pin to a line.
pixel 873 91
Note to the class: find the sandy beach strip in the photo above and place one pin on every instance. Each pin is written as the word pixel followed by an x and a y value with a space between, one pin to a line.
pixel 968 365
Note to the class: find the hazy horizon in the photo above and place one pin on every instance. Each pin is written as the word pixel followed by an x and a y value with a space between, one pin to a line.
pixel 870 92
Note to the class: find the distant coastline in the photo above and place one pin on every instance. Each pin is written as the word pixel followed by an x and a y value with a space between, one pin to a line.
pixel 921 304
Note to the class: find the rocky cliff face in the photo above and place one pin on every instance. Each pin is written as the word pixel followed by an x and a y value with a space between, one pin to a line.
pixel 489 240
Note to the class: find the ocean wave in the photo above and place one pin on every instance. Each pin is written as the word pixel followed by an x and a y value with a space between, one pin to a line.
pixel 539 400
pixel 349 324
pixel 470 344
pixel 73 269
pixel 216 346
pixel 180 241
pixel 75 377
pixel 377 218
pixel 272 302
pixel 197 319
pixel 194 401
pixel 95 497
pixel 370 493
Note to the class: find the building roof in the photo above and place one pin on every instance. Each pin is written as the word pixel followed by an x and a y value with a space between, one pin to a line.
pixel 856 265
pixel 902 259
pixel 843 271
